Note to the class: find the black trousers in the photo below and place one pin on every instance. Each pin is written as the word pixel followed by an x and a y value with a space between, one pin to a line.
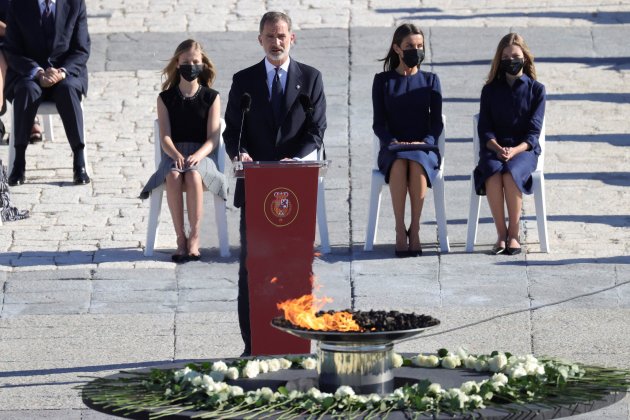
pixel 66 94
pixel 243 287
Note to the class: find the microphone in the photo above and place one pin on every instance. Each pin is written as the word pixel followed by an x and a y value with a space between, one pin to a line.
pixel 246 103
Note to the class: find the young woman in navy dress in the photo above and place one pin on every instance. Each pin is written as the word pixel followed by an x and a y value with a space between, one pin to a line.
pixel 407 105
pixel 511 115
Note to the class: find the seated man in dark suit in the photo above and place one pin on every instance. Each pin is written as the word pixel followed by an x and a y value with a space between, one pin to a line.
pixel 277 126
pixel 47 46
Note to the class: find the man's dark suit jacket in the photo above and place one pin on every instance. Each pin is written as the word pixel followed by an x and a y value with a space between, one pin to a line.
pixel 298 135
pixel 25 44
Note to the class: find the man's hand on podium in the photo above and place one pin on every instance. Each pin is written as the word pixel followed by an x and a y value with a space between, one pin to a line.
pixel 245 157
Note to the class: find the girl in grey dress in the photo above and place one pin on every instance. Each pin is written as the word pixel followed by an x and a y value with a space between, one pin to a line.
pixel 189 120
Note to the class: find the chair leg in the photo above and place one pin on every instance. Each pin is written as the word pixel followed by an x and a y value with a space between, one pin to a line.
pixel 220 217
pixel 155 208
pixel 322 218
pixel 473 217
pixel 440 212
pixel 48 127
pixel 541 210
pixel 375 206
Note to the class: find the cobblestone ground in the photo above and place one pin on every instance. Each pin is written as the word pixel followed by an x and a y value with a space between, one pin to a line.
pixel 78 298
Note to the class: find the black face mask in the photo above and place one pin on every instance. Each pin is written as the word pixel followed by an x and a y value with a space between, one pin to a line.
pixel 512 66
pixel 413 57
pixel 190 71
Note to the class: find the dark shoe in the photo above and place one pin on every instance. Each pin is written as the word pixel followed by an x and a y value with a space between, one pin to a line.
pixel 194 257
pixel 80 176
pixel 179 258
pixel 401 254
pixel 497 249
pixel 16 178
pixel 512 251
pixel 3 110
pixel 415 253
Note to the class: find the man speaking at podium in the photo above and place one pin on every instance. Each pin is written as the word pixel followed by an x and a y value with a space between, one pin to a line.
pixel 276 110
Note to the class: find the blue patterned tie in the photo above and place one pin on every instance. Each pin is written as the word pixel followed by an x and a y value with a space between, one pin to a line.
pixel 276 98
pixel 48 25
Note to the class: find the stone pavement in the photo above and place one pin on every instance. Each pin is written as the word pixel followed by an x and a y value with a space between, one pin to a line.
pixel 78 299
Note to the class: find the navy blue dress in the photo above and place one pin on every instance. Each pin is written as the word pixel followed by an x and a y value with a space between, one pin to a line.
pixel 407 108
pixel 511 115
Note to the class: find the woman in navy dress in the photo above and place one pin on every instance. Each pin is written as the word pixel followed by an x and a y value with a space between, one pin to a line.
pixel 407 106
pixel 511 116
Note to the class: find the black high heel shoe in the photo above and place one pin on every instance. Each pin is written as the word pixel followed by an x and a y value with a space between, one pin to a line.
pixel 512 251
pixel 403 253
pixel 413 252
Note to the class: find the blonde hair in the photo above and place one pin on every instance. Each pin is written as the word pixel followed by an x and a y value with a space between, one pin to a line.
pixel 512 39
pixel 171 74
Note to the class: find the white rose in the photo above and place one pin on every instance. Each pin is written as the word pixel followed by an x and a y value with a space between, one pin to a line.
pixel 232 373
pixel 266 393
pixel 499 378
pixel 217 376
pixel 264 366
pixel 344 391
pixel 284 363
pixel 207 381
pixel 295 394
pixel 426 361
pixel 219 366
pixel 428 401
pixel 236 391
pixel 563 371
pixel 469 387
pixel 168 392
pixel 374 398
pixel 481 365
pixel 397 360
pixel 274 365
pixel 459 396
pixel 251 369
pixel 497 363
pixel 196 381
pixel 469 362
pixel 399 393
pixel 314 393
pixel 451 362
pixel 518 372
pixel 476 401
pixel 309 363
pixel 434 389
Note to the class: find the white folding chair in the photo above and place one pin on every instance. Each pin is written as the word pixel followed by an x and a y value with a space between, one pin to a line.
pixel 46 109
pixel 538 187
pixel 220 209
pixel 378 182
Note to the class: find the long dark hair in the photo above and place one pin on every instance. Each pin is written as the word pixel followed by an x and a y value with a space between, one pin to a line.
pixel 391 60
pixel 512 39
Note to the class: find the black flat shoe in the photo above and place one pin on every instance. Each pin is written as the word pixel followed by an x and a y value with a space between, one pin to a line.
pixel 401 254
pixel 414 253
pixel 512 251
pixel 179 258
pixel 16 178
pixel 497 250
pixel 194 257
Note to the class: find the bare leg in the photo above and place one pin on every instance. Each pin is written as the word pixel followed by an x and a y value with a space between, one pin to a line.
pixel 496 199
pixel 398 190
pixel 417 192
pixel 174 193
pixel 514 201
pixel 194 204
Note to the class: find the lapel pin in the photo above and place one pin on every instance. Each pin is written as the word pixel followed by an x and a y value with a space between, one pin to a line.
pixel 297 86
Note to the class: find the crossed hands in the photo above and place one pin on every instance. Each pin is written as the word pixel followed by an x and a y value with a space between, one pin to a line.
pixel 506 153
pixel 50 77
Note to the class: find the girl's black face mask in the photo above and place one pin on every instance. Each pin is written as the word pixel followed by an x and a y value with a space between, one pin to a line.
pixel 512 66
pixel 190 71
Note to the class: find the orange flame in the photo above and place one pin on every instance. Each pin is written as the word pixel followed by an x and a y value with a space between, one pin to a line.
pixel 274 280
pixel 302 312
